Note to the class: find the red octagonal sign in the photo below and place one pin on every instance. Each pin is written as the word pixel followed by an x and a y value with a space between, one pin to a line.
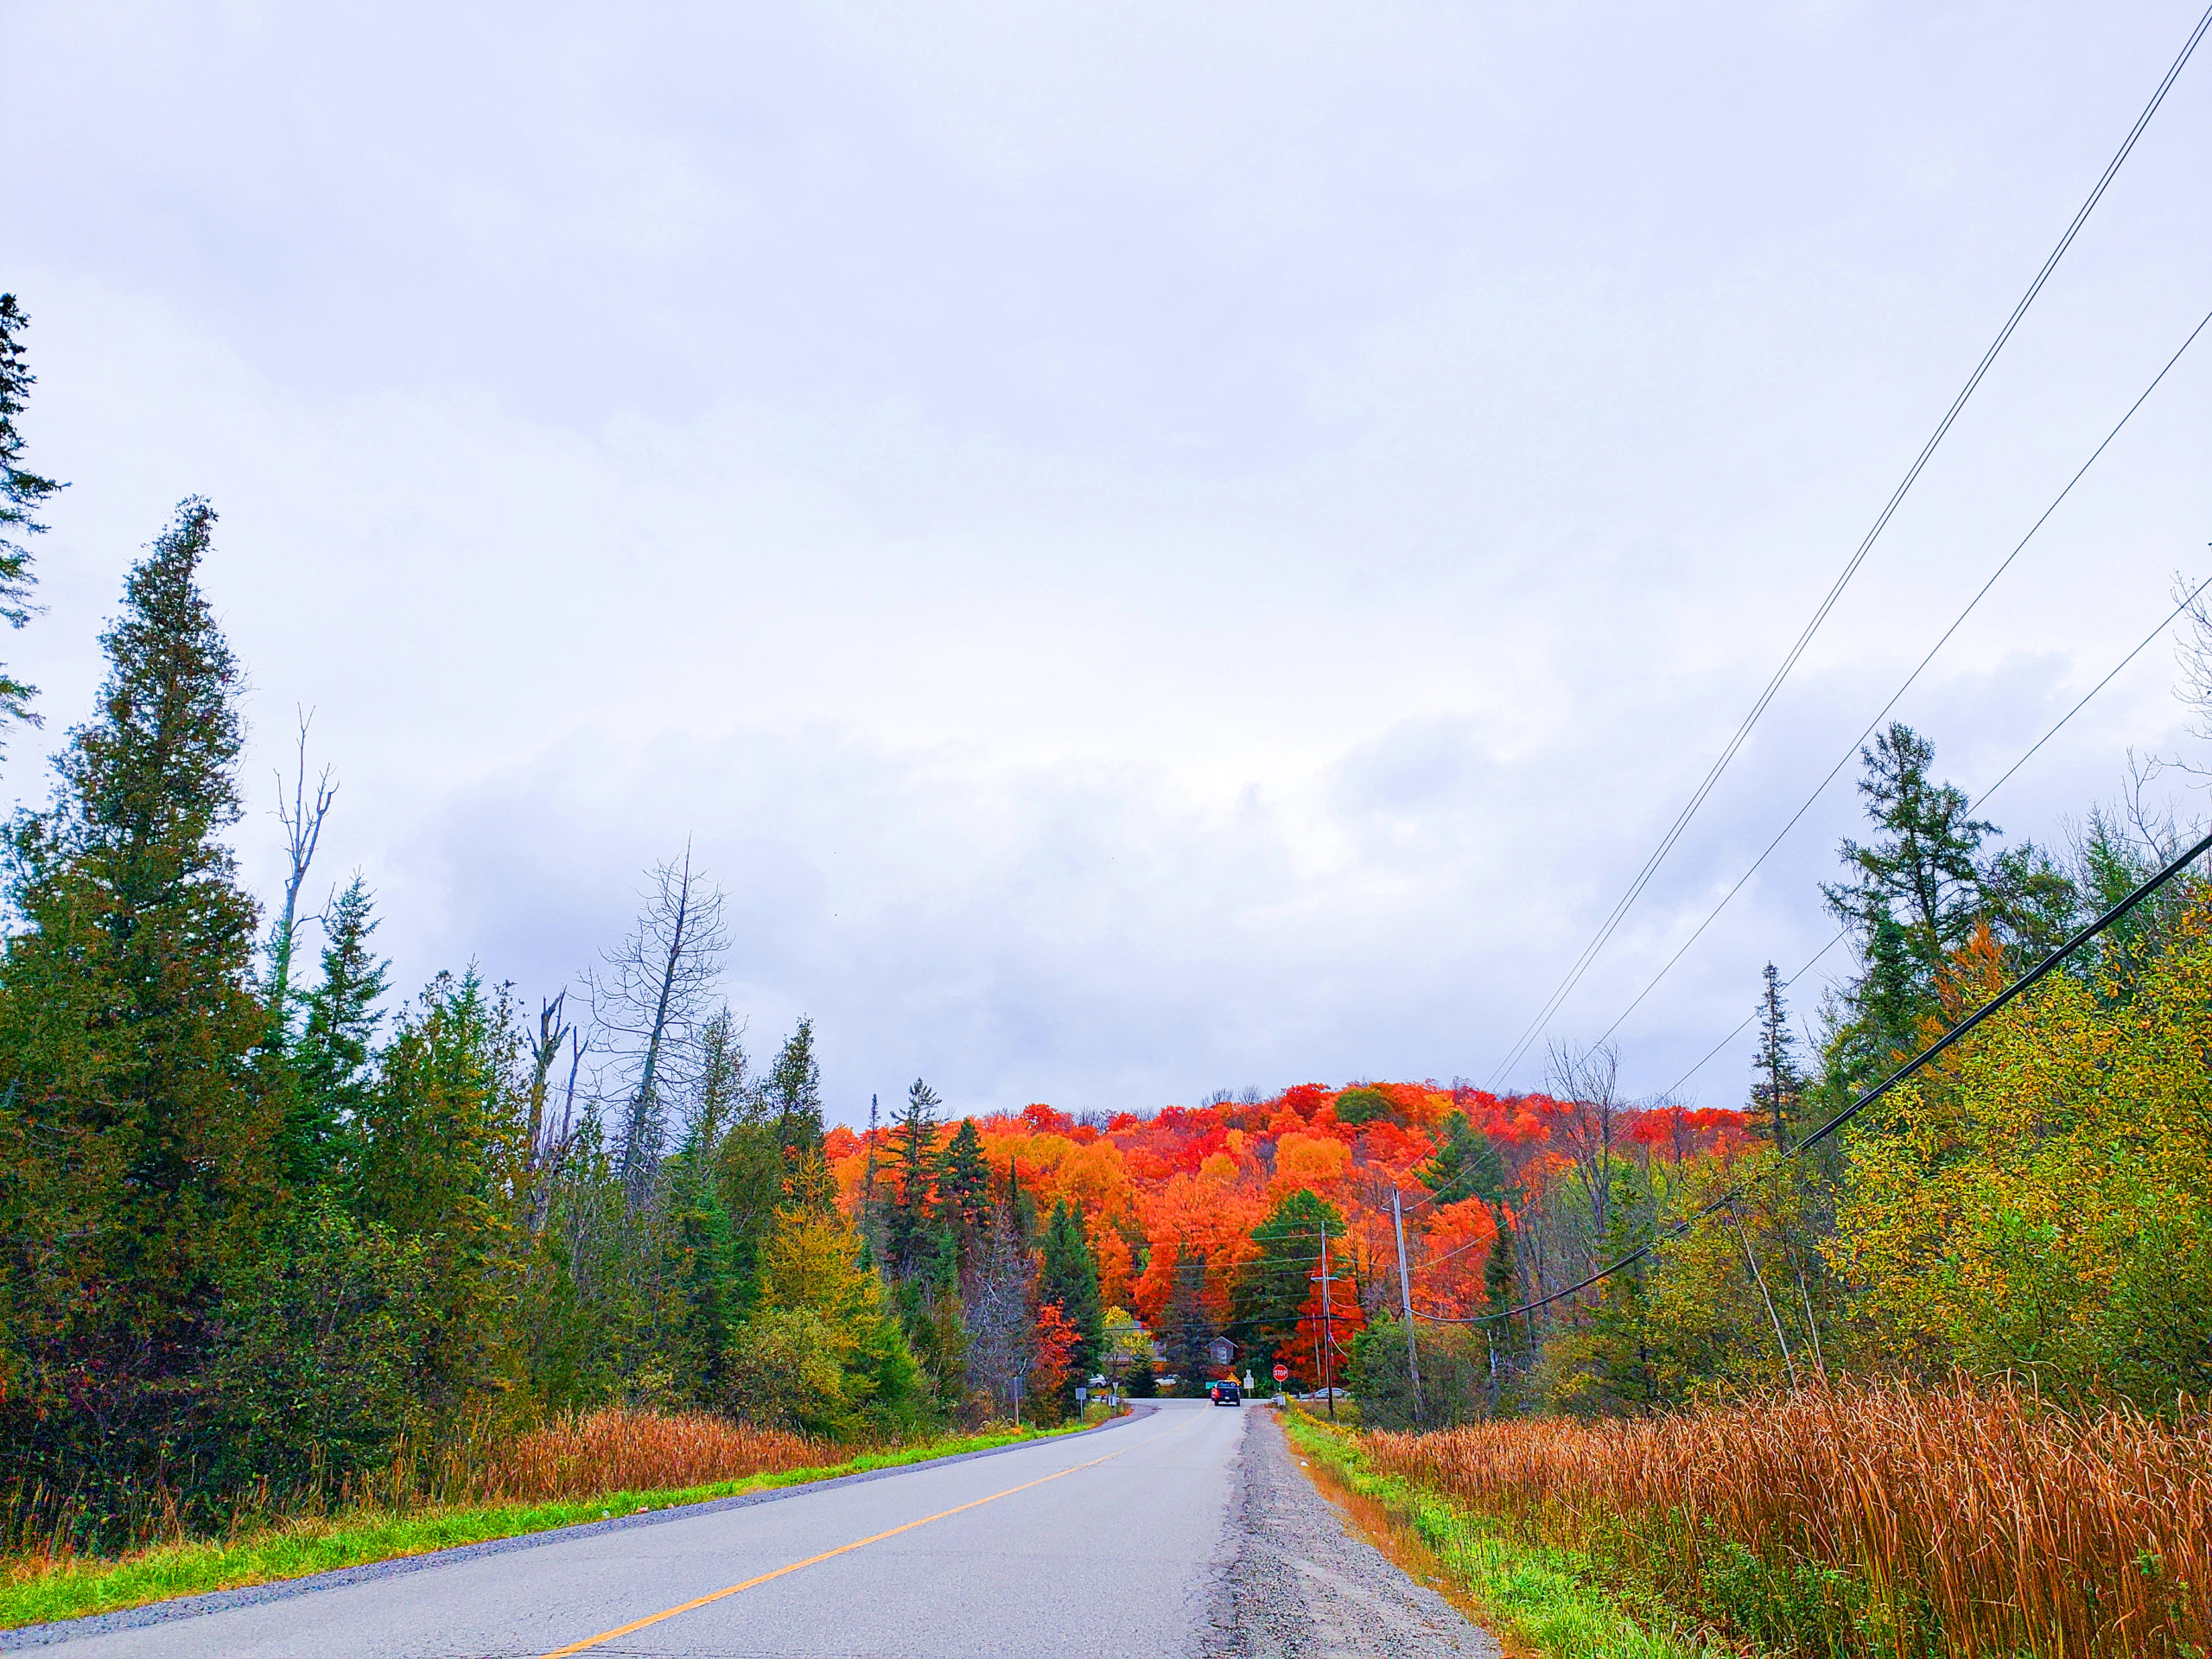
pixel 1282 1373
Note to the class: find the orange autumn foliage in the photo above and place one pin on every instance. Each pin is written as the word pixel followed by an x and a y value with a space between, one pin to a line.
pixel 1196 1180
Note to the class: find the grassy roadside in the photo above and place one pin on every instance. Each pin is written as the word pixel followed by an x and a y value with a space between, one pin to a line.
pixel 38 1593
pixel 1539 1600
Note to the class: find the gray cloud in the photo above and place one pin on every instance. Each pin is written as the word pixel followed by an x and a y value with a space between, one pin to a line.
pixel 1150 549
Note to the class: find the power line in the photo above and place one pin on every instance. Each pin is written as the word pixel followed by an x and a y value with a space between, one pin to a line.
pixel 1912 1068
pixel 1821 788
pixel 1835 592
pixel 1675 1230
pixel 1980 800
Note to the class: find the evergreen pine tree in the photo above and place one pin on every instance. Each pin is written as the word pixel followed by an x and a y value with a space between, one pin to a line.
pixel 1138 1380
pixel 1465 1166
pixel 1915 894
pixel 1271 1290
pixel 1499 1272
pixel 738 1135
pixel 330 1061
pixel 443 1153
pixel 1021 1206
pixel 703 1293
pixel 912 1154
pixel 795 1092
pixel 1068 1280
pixel 1924 869
pixel 21 493
pixel 963 1185
pixel 1777 1083
pixel 135 1134
pixel 1617 1369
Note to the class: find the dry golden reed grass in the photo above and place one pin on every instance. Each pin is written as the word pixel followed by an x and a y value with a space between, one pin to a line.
pixel 1966 1520
pixel 582 1456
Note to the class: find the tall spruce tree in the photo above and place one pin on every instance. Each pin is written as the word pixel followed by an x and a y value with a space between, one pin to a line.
pixel 330 1060
pixel 1915 895
pixel 1924 869
pixel 1465 1166
pixel 1777 1081
pixel 1506 1335
pixel 138 1137
pixel 700 1304
pixel 795 1092
pixel 963 1186
pixel 1067 1279
pixel 443 1157
pixel 1912 895
pixel 912 1155
pixel 21 493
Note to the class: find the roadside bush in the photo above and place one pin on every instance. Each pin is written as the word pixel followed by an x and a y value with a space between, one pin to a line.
pixel 783 1372
pixel 314 1370
pixel 1454 1376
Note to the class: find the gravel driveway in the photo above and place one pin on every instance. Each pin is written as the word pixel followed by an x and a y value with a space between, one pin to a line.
pixel 1300 1586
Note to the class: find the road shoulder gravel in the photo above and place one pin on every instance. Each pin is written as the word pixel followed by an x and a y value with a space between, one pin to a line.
pixel 1298 1585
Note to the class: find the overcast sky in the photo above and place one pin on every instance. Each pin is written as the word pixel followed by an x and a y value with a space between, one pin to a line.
pixel 1150 548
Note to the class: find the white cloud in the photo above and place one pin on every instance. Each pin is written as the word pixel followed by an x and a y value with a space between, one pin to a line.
pixel 1151 550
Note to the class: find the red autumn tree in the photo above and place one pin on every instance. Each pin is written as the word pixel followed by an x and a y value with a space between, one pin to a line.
pixel 1344 1322
pixel 1055 1342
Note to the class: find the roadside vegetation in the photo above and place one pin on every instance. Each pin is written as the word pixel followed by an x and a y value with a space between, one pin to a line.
pixel 1538 1596
pixel 1861 1519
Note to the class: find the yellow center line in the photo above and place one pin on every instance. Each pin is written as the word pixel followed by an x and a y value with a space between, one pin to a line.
pixel 591 1642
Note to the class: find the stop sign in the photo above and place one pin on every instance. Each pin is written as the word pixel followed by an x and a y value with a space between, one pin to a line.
pixel 1282 1373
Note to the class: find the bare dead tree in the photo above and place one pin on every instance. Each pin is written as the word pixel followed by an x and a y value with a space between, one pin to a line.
pixel 550 1141
pixel 2193 656
pixel 994 1293
pixel 650 1003
pixel 1585 1081
pixel 301 817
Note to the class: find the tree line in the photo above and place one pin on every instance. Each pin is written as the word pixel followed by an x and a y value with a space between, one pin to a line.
pixel 265 1231
pixel 2038 1202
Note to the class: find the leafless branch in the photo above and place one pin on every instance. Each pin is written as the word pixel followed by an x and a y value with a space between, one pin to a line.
pixel 652 1001
pixel 301 817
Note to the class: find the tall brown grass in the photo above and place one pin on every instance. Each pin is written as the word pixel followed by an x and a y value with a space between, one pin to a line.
pixel 1879 1518
pixel 612 1450
pixel 474 1461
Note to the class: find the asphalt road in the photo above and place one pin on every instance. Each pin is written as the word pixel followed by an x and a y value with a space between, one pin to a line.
pixel 1138 1539
pixel 1096 1543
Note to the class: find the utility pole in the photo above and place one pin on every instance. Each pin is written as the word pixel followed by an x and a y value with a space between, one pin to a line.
pixel 1405 1299
pixel 1328 1333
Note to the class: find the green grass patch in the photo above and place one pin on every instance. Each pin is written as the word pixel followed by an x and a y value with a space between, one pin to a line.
pixel 38 1592
pixel 1554 1602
